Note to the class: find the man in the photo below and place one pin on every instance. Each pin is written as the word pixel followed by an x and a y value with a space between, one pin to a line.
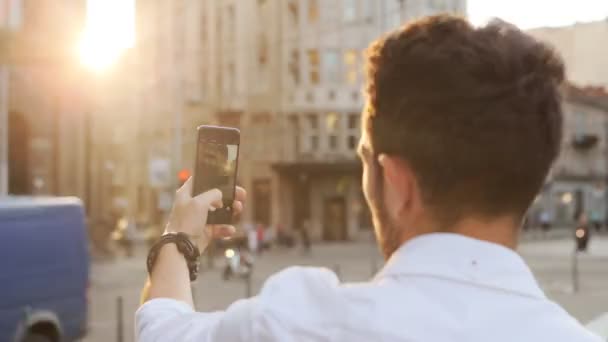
pixel 461 127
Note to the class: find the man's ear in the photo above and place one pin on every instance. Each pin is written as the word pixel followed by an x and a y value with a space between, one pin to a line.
pixel 398 182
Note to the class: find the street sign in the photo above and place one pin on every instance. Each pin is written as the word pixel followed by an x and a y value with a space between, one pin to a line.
pixel 159 172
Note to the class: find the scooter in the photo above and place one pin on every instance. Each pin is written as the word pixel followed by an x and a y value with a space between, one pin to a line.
pixel 122 235
pixel 237 264
pixel 582 238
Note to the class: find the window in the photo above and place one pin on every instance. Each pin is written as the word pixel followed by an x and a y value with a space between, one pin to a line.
pixel 313 121
pixel 333 142
pixel 331 95
pixel 310 97
pixel 313 11
pixel 294 128
pixel 332 120
pixel 351 66
pixel 294 12
pixel 231 79
pixel 314 142
pixel 313 65
pixel 294 66
pixel 231 22
pixel 353 121
pixel 262 50
pixel 367 8
pixel 349 10
pixel 352 142
pixel 331 66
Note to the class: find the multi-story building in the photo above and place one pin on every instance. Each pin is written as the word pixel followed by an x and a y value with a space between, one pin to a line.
pixel 46 114
pixel 289 74
pixel 584 49
pixel 170 60
pixel 577 182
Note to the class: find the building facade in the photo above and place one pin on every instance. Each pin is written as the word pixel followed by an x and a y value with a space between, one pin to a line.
pixel 46 112
pixel 577 182
pixel 289 74
pixel 584 47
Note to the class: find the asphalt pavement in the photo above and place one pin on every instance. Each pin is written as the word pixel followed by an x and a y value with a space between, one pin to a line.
pixel 551 260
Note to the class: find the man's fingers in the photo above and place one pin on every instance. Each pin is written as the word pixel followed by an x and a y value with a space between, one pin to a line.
pixel 217 204
pixel 186 188
pixel 208 198
pixel 222 230
pixel 240 194
pixel 237 207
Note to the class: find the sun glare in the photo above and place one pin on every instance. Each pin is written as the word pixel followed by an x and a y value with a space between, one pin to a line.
pixel 109 32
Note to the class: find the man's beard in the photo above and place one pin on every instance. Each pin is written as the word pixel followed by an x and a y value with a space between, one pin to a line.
pixel 387 232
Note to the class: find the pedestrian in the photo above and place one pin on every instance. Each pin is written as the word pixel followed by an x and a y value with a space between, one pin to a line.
pixel 453 112
pixel 305 236
pixel 582 232
pixel 596 220
pixel 545 221
pixel 260 237
pixel 252 237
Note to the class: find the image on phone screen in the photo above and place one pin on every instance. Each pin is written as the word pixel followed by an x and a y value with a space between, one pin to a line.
pixel 216 169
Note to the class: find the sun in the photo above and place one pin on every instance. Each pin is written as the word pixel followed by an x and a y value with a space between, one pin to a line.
pixel 98 53
pixel 109 32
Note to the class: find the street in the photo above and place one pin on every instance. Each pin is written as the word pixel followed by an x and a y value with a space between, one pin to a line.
pixel 550 260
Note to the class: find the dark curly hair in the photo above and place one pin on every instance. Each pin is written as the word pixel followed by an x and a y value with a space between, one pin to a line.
pixel 476 112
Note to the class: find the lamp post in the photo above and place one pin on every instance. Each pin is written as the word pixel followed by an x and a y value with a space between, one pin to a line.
pixel 4 79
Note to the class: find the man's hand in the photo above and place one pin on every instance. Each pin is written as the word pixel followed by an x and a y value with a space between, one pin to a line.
pixel 189 214
pixel 170 278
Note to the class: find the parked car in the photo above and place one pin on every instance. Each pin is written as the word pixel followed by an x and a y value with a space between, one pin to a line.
pixel 45 269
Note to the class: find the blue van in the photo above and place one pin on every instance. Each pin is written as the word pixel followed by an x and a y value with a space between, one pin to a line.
pixel 44 269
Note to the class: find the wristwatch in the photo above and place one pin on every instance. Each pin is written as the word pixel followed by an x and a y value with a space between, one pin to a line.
pixel 184 245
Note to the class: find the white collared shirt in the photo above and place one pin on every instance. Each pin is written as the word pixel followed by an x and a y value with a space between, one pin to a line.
pixel 437 287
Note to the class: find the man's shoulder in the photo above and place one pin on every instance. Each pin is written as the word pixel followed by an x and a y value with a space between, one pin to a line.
pixel 300 280
pixel 305 294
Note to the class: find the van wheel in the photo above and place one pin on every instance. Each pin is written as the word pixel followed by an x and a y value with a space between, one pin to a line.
pixel 33 337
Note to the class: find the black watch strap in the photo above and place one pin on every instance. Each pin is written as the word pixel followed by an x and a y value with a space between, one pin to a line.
pixel 184 245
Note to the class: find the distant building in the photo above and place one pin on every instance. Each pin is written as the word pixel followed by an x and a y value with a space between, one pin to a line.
pixel 578 180
pixel 46 111
pixel 584 47
pixel 173 60
pixel 289 74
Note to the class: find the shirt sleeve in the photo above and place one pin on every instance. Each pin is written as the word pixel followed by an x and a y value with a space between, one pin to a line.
pixel 290 301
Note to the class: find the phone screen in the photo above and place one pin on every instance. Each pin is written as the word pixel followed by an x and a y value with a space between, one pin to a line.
pixel 216 169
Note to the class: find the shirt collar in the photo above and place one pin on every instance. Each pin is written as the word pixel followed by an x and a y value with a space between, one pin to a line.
pixel 460 258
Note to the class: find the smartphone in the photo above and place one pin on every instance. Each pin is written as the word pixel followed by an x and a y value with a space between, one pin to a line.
pixel 216 166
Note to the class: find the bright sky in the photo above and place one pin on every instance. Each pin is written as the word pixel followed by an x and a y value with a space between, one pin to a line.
pixel 536 13
pixel 110 23
pixel 109 31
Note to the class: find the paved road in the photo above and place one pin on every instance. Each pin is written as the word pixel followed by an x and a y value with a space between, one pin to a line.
pixel 551 262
